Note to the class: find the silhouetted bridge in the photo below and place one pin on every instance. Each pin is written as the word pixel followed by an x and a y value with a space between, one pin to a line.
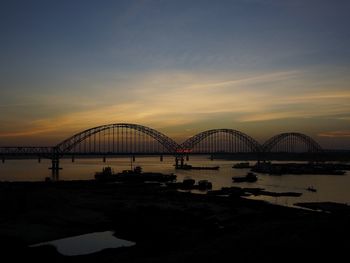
pixel 132 139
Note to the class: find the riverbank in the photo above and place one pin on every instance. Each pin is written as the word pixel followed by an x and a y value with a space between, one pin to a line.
pixel 167 225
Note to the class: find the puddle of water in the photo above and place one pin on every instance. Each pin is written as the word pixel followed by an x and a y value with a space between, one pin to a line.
pixel 87 244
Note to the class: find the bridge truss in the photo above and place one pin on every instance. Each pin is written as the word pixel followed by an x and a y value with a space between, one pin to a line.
pixel 133 139
pixel 220 141
pixel 290 143
pixel 121 138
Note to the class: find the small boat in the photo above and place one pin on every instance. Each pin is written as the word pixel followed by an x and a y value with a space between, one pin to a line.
pixel 107 174
pixel 136 171
pixel 311 189
pixel 204 185
pixel 190 167
pixel 134 175
pixel 250 177
pixel 241 165
pixel 188 182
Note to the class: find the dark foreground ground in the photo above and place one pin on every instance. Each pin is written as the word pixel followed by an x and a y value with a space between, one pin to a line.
pixel 167 226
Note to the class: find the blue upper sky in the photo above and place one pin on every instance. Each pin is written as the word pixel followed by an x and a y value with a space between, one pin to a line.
pixel 245 64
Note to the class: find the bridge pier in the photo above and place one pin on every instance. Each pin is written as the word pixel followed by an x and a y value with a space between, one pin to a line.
pixel 161 158
pixel 181 159
pixel 55 168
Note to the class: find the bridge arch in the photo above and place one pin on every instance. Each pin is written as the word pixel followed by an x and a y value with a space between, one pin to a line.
pixel 288 142
pixel 118 137
pixel 220 140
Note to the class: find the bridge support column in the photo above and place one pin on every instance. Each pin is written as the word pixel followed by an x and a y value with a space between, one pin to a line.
pixel 161 158
pixel 258 163
pixel 181 159
pixel 176 162
pixel 55 168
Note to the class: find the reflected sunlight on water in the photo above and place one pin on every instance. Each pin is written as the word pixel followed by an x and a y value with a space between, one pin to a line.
pixel 329 187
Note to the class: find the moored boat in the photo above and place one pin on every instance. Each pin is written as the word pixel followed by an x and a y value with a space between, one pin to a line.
pixel 136 174
pixel 241 165
pixel 250 177
pixel 204 185
pixel 190 167
pixel 311 189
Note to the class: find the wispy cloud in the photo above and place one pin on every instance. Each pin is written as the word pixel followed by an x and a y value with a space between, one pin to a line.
pixel 248 81
pixel 169 99
pixel 335 134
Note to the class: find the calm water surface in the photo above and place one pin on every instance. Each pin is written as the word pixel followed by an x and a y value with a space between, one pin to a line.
pixel 87 244
pixel 329 187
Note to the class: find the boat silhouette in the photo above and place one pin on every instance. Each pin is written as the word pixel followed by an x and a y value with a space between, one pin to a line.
pixel 311 189
pixel 250 177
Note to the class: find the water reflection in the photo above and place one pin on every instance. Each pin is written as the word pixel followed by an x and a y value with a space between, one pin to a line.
pixel 87 244
pixel 329 187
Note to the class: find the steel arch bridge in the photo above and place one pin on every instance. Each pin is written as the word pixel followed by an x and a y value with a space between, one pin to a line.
pixel 291 142
pixel 120 138
pixel 133 139
pixel 221 141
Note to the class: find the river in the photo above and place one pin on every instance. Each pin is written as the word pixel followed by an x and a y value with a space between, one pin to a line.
pixel 334 188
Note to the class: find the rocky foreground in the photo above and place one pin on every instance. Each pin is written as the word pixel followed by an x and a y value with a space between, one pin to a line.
pixel 167 225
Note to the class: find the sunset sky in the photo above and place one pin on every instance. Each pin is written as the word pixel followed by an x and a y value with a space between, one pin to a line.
pixel 180 66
